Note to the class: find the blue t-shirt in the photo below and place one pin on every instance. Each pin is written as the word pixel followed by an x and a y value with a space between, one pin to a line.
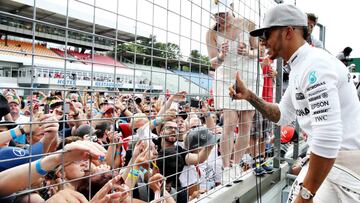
pixel 16 154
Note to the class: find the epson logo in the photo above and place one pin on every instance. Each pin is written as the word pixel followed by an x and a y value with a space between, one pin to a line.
pixel 320 104
pixel 302 112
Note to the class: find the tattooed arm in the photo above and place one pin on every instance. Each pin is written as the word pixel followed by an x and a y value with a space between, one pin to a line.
pixel 267 109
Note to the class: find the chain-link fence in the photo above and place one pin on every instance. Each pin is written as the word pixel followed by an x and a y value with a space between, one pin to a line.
pixel 128 100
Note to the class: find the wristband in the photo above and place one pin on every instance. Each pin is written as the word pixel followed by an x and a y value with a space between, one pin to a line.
pixel 133 176
pixel 21 128
pixel 134 172
pixel 101 158
pixel 13 134
pixel 38 168
pixel 122 153
pixel 143 170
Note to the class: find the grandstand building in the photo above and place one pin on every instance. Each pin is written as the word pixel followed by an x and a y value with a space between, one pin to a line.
pixel 68 56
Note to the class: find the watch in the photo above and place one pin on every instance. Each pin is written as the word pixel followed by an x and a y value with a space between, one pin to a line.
pixel 21 128
pixel 305 193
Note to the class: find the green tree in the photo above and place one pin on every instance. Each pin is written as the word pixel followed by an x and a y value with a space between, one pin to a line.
pixel 151 52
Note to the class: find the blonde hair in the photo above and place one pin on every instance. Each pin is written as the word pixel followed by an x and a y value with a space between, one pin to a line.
pixel 137 117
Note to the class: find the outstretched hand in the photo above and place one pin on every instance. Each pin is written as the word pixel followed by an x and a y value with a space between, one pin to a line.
pixel 239 90
pixel 82 150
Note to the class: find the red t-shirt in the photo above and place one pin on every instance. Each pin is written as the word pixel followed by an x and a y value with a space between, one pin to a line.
pixel 267 93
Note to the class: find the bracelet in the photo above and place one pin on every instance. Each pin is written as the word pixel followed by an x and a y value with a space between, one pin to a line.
pixel 134 177
pixel 219 60
pixel 134 172
pixel 143 170
pixel 101 158
pixel 22 130
pixel 13 134
pixel 122 153
pixel 38 168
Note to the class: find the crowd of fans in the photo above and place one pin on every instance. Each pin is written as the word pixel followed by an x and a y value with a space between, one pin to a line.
pixel 98 147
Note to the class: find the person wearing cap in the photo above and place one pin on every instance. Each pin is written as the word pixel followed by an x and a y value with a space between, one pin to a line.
pixel 204 176
pixel 14 156
pixel 14 105
pixel 231 49
pixel 312 21
pixel 322 98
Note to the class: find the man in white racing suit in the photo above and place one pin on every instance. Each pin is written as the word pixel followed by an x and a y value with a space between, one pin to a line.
pixel 322 96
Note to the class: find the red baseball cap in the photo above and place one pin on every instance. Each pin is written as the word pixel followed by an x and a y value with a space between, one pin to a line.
pixel 287 133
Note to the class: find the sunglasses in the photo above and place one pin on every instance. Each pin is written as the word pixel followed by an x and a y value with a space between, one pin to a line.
pixel 267 32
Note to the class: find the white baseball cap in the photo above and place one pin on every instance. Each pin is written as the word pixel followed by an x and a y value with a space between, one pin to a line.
pixel 281 15
pixel 220 6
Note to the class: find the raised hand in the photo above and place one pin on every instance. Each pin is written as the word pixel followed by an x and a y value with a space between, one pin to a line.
pixel 82 150
pixel 240 91
pixel 121 191
pixel 224 49
pixel 242 49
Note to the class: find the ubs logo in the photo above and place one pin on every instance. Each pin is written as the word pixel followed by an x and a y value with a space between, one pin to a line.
pixel 302 112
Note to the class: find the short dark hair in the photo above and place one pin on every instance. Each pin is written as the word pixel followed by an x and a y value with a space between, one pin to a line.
pixel 306 32
pixel 312 17
pixel 347 51
pixel 4 106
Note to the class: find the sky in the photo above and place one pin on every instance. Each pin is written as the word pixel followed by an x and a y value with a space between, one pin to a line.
pixel 168 19
pixel 339 18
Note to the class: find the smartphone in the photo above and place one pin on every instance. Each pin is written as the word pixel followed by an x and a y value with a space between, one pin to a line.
pixel 46 108
pixel 67 108
pixel 236 89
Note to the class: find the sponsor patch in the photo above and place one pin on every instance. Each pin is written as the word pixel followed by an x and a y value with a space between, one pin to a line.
pixel 320 104
pixel 315 86
pixel 321 118
pixel 321 111
pixel 312 77
pixel 316 92
pixel 302 112
pixel 299 96
pixel 324 95
pixel 314 98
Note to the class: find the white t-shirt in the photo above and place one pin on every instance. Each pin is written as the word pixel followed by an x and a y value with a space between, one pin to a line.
pixel 22 119
pixel 207 173
pixel 323 97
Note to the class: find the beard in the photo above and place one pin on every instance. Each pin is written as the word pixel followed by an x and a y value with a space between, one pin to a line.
pixel 171 139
